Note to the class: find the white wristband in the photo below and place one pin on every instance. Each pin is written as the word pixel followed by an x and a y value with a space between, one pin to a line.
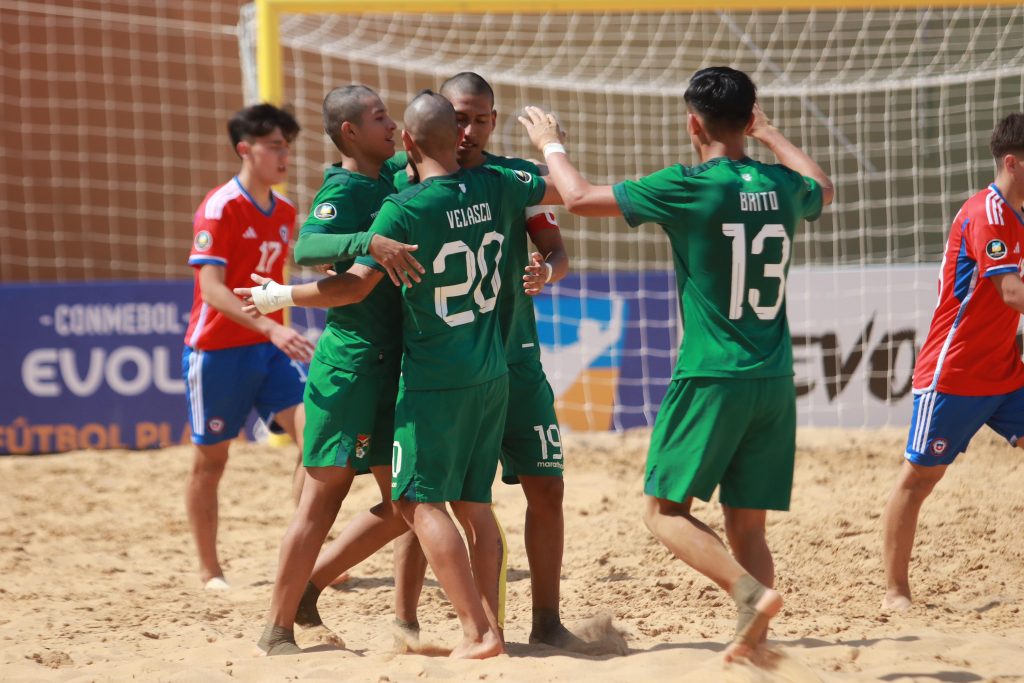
pixel 553 148
pixel 551 272
pixel 271 297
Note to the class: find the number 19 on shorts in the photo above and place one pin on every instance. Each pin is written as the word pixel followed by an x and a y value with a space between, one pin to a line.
pixel 550 439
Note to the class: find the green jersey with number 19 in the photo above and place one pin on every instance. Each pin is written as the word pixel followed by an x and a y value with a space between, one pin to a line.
pixel 731 226
pixel 461 223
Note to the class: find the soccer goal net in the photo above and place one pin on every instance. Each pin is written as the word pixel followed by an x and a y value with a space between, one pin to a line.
pixel 896 104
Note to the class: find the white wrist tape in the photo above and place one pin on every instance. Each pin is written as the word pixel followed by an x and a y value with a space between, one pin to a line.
pixel 551 272
pixel 553 148
pixel 271 297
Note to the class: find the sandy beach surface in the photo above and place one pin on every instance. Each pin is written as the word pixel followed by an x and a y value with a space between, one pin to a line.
pixel 99 577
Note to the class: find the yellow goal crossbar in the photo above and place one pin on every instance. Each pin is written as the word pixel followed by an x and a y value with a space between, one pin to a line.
pixel 268 13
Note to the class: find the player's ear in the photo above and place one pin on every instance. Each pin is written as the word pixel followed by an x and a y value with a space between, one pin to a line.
pixel 750 123
pixel 348 130
pixel 494 118
pixel 243 148
pixel 409 143
pixel 693 126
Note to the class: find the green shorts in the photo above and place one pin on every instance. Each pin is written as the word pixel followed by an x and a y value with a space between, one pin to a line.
pixel 350 418
pixel 532 443
pixel 740 433
pixel 447 442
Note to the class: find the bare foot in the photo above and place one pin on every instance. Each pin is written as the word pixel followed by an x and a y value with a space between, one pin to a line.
pixel 340 579
pixel 488 646
pixel 894 601
pixel 750 635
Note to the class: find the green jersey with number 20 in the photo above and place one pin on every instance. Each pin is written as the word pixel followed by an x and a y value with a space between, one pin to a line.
pixel 462 224
pixel 731 226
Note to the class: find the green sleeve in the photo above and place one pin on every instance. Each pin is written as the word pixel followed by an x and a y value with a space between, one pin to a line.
pixel 521 188
pixel 653 199
pixel 812 200
pixel 316 246
pixel 389 223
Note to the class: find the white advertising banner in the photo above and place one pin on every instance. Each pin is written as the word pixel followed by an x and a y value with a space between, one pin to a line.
pixel 856 334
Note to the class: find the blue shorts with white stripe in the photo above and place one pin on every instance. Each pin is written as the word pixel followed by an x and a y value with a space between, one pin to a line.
pixel 943 424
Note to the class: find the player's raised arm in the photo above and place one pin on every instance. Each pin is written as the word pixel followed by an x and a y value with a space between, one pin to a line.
pixel 343 289
pixel 788 154
pixel 577 193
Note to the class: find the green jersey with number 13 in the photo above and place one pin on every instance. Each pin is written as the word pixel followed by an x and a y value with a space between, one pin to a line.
pixel 731 226
pixel 462 224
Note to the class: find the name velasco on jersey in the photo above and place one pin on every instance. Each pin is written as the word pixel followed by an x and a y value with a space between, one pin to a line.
pixel 469 215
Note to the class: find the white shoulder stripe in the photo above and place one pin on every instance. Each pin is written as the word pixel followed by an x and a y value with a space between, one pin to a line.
pixel 219 199
pixel 994 206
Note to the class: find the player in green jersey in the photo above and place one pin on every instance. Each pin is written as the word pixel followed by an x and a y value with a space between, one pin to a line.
pixel 729 417
pixel 454 388
pixel 353 378
pixel 531 452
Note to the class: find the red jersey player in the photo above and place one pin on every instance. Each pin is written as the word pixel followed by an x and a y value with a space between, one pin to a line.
pixel 969 372
pixel 234 363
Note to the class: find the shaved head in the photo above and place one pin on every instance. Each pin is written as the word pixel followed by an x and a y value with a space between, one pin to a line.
pixel 469 84
pixel 346 104
pixel 430 121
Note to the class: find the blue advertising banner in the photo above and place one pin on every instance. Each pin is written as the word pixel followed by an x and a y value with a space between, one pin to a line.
pixel 98 365
pixel 93 365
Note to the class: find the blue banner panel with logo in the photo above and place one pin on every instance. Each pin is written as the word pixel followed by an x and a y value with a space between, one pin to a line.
pixel 93 365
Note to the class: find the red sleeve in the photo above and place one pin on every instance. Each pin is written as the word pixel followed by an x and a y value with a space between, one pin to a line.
pixel 213 238
pixel 990 243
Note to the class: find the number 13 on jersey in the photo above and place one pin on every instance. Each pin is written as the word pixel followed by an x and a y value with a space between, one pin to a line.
pixel 738 292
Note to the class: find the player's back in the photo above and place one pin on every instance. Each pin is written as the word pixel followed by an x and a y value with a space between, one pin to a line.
pixel 971 347
pixel 231 230
pixel 731 225
pixel 460 223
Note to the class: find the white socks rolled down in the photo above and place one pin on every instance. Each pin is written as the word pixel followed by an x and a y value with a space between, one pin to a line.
pixel 271 297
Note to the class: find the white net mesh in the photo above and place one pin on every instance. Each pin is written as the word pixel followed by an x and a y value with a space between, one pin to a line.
pixel 897 105
pixel 113 129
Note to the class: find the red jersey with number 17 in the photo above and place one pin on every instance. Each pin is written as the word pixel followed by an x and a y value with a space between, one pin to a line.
pixel 232 231
pixel 971 347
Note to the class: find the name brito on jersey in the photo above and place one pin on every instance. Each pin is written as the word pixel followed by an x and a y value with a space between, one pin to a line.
pixel 470 215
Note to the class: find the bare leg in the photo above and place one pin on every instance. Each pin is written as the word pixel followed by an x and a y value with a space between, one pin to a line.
pixel 410 570
pixel 697 545
pixel 486 553
pixel 293 422
pixel 447 556
pixel 201 505
pixel 545 539
pixel 913 484
pixel 322 494
pixel 745 529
